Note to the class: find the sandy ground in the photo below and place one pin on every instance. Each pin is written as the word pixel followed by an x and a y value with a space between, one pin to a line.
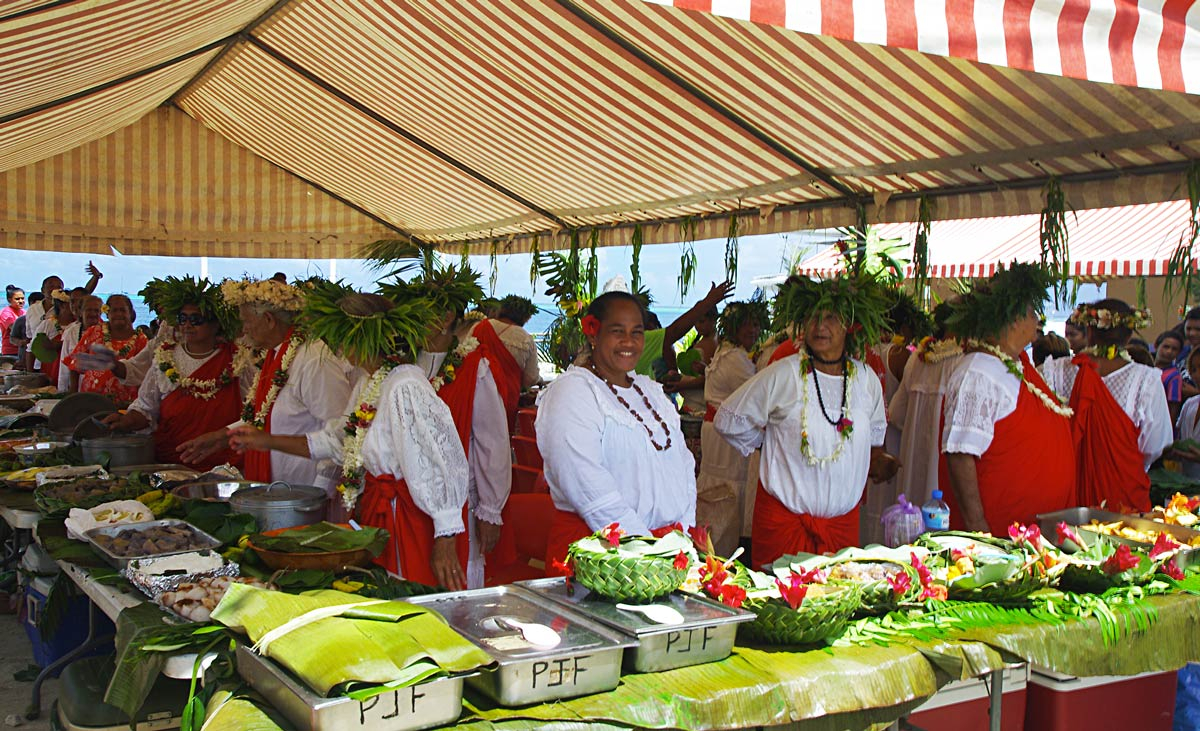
pixel 16 654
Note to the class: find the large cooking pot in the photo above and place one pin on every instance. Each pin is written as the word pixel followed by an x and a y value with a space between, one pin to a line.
pixel 281 505
pixel 27 380
pixel 122 449
pixel 214 491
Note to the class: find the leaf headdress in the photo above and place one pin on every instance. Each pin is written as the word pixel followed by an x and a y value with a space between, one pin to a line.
pixel 860 302
pixel 330 315
pixel 906 312
pixel 737 313
pixel 151 294
pixel 446 288
pixel 174 293
pixel 521 308
pixel 990 307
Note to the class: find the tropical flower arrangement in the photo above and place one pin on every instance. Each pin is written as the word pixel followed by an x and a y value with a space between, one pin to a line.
pixel 1101 564
pixel 623 568
pixel 844 426
pixel 980 567
pixel 932 350
pixel 1179 510
pixel 794 608
pixel 888 577
pixel 266 292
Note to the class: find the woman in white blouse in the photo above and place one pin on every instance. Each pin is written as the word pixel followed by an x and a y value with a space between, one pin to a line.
pixel 722 502
pixel 610 440
pixel 403 465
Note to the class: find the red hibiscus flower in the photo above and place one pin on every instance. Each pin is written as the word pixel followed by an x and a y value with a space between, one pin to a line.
pixel 900 583
pixel 732 595
pixel 567 569
pixel 1030 535
pixel 612 534
pixel 793 591
pixel 1163 546
pixel 1171 568
pixel 1122 560
pixel 590 325
pixel 681 561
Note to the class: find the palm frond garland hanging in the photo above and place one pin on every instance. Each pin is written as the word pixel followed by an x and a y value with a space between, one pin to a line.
pixel 731 249
pixel 464 257
pixel 860 216
pixel 534 248
pixel 567 284
pixel 402 255
pixel 635 265
pixel 1140 293
pixel 920 255
pixel 593 264
pixel 494 266
pixel 864 251
pixel 687 256
pixel 1053 238
pixel 1181 267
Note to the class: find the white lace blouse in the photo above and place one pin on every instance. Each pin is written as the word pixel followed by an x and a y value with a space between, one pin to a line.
pixel 599 461
pixel 1137 389
pixel 766 411
pixel 412 438
pixel 981 392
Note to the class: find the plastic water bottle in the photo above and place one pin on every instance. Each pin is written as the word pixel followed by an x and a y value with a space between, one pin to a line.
pixel 936 513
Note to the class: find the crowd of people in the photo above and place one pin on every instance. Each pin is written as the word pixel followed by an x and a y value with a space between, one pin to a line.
pixel 819 408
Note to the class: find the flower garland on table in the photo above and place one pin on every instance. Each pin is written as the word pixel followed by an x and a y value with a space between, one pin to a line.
pixel 457 352
pixel 931 350
pixel 844 426
pixel 107 337
pixel 278 381
pixel 1112 352
pixel 357 424
pixel 1049 401
pixel 203 389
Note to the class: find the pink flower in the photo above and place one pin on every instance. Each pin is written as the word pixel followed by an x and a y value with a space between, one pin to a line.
pixel 929 590
pixel 1171 568
pixel 812 576
pixel 1067 533
pixel 900 583
pixel 1121 560
pixel 681 561
pixel 612 534
pixel 1030 535
pixel 1164 545
pixel 844 424
pixel 793 591
pixel 700 538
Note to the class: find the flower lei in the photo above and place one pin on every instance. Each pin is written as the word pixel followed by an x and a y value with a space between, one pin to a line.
pixel 108 341
pixel 357 424
pixel 278 381
pixel 458 351
pixel 203 389
pixel 268 291
pixel 931 350
pixel 844 426
pixel 1085 316
pixel 1049 401
pixel 1111 352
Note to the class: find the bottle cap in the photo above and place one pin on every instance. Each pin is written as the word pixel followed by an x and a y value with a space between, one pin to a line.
pixel 937 494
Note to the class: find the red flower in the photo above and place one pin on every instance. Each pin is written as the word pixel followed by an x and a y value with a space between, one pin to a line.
pixel 935 591
pixel 1163 546
pixel 843 424
pixel 1193 503
pixel 1121 560
pixel 854 328
pixel 929 590
pixel 813 576
pixel 591 325
pixel 900 582
pixel 793 592
pixel 681 560
pixel 701 538
pixel 1171 568
pixel 1030 535
pixel 566 569
pixel 732 595
pixel 1067 533
pixel 612 534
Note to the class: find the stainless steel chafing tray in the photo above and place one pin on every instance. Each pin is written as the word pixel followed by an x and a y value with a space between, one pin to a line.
pixel 706 635
pixel 586 661
pixel 424 705
pixel 1081 517
pixel 203 541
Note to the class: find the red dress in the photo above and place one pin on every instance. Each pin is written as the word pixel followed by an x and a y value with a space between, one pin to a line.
pixel 258 462
pixel 182 416
pixel 105 382
pixel 1029 468
pixel 1109 466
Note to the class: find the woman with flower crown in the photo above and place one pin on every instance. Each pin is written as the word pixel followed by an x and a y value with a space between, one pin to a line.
pixel 197 384
pixel 818 416
pixel 610 439
pixel 1006 443
pixel 1121 422
pixel 403 468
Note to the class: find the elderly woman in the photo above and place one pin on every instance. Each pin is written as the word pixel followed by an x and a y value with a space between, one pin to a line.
pixel 610 439
pixel 300 387
pixel 198 383
pixel 721 499
pixel 1007 438
pixel 403 469
pixel 1121 423
pixel 827 402
pixel 118 336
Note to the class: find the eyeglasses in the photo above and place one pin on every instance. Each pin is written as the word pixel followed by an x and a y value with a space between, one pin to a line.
pixel 194 320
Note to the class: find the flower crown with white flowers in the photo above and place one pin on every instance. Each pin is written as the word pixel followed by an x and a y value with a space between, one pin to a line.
pixel 1102 319
pixel 268 291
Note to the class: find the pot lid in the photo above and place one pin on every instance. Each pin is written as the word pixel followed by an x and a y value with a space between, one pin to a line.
pixel 277 495
pixel 119 440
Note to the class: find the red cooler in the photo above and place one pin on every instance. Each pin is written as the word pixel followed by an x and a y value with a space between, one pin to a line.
pixel 963 704
pixel 1060 702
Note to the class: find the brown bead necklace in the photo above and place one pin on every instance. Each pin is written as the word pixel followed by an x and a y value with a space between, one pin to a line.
pixel 636 415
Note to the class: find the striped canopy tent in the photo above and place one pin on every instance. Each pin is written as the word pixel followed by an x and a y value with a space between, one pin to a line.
pixel 308 127
pixel 1125 241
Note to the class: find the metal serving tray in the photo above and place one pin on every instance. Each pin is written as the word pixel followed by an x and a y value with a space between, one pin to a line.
pixel 1081 517
pixel 424 705
pixel 122 562
pixel 588 660
pixel 706 635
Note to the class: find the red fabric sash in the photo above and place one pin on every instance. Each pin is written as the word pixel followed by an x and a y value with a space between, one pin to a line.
pixel 182 416
pixel 786 348
pixel 777 531
pixel 566 528
pixel 710 412
pixel 410 530
pixel 505 369
pixel 258 462
pixel 1109 466
pixel 1029 468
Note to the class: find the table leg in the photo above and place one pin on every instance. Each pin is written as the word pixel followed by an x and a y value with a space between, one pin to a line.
pixel 996 699
pixel 90 642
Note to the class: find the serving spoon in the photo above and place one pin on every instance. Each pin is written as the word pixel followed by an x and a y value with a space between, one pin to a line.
pixel 538 635
pixel 659 613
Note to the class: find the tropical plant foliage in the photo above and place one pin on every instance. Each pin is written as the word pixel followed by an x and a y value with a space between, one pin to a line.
pixel 571 282
pixel 1054 237
pixel 398 331
pixel 920 256
pixel 1181 267
pixel 864 251
pixel 687 256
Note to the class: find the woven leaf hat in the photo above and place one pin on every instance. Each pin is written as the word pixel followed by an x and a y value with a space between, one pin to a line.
pixel 737 313
pixel 365 326
pixel 1005 298
pixel 860 302
pixel 151 294
pixel 174 293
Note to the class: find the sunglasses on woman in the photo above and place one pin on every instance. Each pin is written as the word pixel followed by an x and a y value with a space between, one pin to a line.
pixel 194 320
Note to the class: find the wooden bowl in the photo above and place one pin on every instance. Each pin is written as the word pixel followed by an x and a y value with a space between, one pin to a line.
pixel 318 561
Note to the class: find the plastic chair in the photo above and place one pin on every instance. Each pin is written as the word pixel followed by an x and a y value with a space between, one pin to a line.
pixel 526 453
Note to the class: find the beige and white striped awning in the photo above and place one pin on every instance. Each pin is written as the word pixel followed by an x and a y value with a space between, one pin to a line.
pixel 307 127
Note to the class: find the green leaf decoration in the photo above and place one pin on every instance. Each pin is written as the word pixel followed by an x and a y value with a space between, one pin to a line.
pixel 635 270
pixel 731 248
pixel 1181 266
pixel 736 314
pixel 402 255
pixel 687 257
pixel 399 331
pixel 856 299
pixel 464 257
pixel 494 266
pixel 1054 237
pixel 323 537
pixel 988 307
pixel 176 292
pixel 920 255
pixel 534 247
pixel 227 712
pixel 592 272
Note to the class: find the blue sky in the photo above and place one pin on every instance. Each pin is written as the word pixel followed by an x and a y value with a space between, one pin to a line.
pixel 758 256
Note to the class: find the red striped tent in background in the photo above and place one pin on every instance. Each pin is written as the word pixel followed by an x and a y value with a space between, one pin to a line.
pixel 308 127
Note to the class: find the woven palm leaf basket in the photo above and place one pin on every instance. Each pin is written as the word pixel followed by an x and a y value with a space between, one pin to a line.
pixel 631 569
pixel 823 615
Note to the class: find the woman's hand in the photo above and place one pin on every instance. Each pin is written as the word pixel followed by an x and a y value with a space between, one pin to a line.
pixel 488 535
pixel 129 421
pixel 446 568
pixel 204 446
pixel 883 466
pixel 246 438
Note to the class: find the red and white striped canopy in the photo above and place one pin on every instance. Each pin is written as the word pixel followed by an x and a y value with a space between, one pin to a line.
pixel 510 123
pixel 1126 241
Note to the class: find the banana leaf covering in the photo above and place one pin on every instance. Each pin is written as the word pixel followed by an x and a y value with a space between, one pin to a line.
pixel 227 712
pixel 370 646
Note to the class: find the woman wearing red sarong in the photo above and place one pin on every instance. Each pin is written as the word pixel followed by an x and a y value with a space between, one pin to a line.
pixel 197 384
pixel 403 468
pixel 119 336
pixel 610 439
pixel 819 418
pixel 1007 439
pixel 1121 422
